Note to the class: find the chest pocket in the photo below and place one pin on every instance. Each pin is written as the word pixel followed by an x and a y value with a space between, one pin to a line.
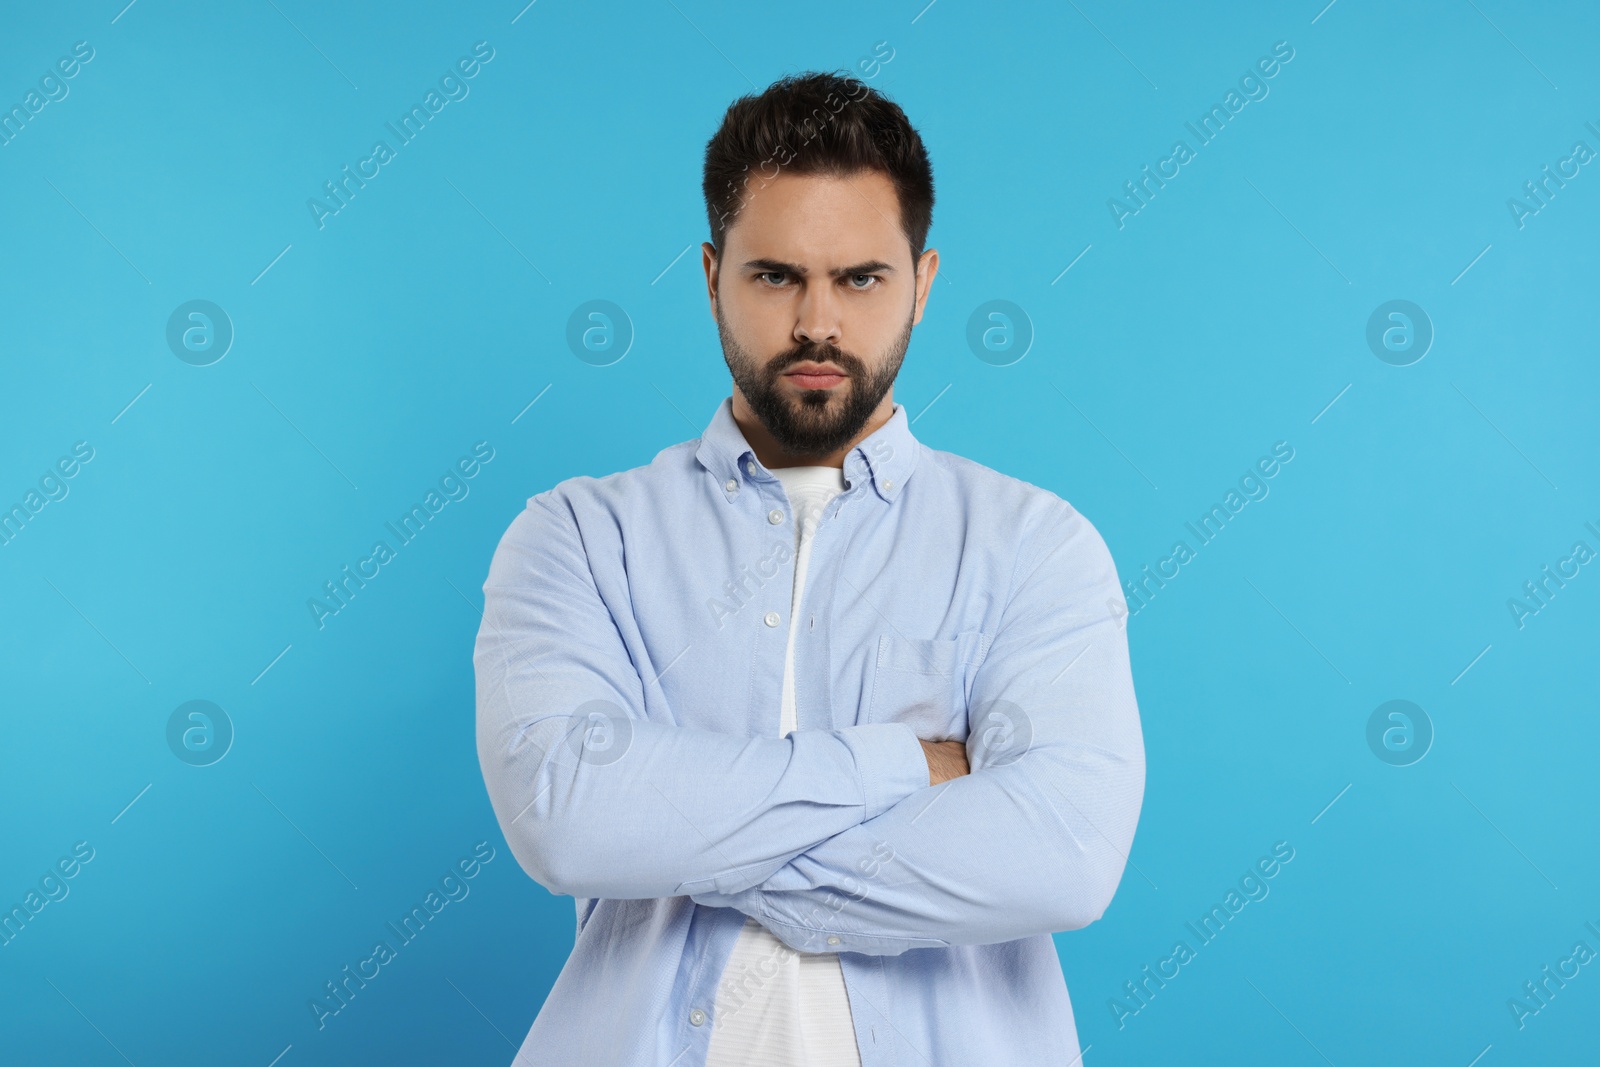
pixel 923 681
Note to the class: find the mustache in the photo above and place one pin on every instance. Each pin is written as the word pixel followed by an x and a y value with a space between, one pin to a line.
pixel 817 353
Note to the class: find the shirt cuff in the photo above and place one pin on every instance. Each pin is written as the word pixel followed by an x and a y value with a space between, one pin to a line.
pixel 890 762
pixel 831 936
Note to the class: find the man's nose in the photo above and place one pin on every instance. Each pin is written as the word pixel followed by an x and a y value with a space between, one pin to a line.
pixel 817 320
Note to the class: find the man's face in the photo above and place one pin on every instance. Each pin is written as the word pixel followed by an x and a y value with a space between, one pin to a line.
pixel 814 296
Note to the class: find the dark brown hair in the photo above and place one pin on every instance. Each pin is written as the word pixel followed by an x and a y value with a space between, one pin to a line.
pixel 816 123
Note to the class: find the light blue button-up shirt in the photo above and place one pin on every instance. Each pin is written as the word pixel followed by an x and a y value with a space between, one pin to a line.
pixel 629 675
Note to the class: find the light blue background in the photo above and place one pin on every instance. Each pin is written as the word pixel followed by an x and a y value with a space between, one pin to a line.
pixel 1223 317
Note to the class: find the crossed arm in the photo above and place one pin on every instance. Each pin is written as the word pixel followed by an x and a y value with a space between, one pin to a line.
pixel 1033 842
pixel 594 799
pixel 820 835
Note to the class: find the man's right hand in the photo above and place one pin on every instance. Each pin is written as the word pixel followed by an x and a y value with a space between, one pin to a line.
pixel 946 760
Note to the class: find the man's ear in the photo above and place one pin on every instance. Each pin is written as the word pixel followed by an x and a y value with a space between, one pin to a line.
pixel 708 260
pixel 927 267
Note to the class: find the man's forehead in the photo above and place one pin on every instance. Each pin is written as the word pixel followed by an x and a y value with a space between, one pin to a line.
pixel 821 222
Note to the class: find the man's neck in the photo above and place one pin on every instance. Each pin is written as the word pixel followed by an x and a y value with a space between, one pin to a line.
pixel 773 456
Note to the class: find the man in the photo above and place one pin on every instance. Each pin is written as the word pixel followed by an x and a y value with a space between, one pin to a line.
pixel 826 730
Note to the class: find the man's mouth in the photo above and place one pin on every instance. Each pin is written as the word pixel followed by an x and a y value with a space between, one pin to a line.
pixel 815 375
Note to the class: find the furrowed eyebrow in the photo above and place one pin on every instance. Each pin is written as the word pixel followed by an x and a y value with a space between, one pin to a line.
pixel 873 266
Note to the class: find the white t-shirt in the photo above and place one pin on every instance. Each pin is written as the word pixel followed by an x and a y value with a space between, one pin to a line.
pixel 775 1006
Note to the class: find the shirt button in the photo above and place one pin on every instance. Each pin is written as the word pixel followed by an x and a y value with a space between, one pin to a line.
pixel 774 516
pixel 772 618
pixel 697 1017
pixel 833 939
pixel 887 485
pixel 732 485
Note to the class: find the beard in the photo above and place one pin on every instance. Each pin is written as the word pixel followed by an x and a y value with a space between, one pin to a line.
pixel 816 422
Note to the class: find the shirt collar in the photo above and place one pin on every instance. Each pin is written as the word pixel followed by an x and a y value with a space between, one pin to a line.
pixel 886 457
